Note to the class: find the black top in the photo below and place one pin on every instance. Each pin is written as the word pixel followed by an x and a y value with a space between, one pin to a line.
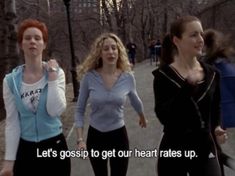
pixel 183 108
pixel 131 48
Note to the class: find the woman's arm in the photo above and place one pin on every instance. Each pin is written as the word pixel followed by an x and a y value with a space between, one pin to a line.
pixel 80 111
pixel 12 130
pixel 56 99
pixel 137 103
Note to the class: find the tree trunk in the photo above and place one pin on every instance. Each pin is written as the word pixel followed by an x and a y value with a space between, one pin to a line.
pixel 8 43
pixel 2 64
pixel 10 16
pixel 106 14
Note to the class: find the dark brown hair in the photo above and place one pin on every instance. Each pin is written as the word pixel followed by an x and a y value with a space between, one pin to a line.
pixel 177 29
pixel 217 45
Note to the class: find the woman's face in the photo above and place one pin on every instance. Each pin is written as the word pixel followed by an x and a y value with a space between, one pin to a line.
pixel 32 43
pixel 191 43
pixel 109 52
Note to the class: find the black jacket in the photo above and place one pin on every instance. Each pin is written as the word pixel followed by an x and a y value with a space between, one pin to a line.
pixel 179 108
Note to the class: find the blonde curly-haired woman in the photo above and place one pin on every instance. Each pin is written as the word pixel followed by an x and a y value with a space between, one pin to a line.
pixel 106 79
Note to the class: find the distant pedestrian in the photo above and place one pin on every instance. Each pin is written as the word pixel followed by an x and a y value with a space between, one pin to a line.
pixel 158 47
pixel 107 81
pixel 131 50
pixel 152 51
pixel 34 97
pixel 187 103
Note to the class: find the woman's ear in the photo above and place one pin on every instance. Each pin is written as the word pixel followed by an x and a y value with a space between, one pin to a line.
pixel 45 45
pixel 175 40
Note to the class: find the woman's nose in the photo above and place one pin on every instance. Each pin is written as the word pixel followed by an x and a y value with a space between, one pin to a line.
pixel 110 50
pixel 201 38
pixel 32 40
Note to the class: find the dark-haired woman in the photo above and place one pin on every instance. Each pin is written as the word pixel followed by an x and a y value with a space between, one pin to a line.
pixel 219 52
pixel 187 103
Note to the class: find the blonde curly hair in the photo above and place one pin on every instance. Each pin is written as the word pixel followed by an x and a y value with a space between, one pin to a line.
pixel 94 60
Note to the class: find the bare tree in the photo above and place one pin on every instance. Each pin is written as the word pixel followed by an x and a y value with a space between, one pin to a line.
pixel 2 51
pixel 8 44
pixel 106 15
pixel 2 29
pixel 10 16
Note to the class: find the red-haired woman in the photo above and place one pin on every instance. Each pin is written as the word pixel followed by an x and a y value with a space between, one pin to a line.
pixel 34 97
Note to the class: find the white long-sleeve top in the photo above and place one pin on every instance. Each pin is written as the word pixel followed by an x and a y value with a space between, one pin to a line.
pixel 30 93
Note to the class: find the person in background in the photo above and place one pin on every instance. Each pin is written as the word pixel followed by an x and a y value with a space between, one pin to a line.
pixel 34 97
pixel 131 49
pixel 187 103
pixel 152 51
pixel 107 81
pixel 219 52
pixel 158 47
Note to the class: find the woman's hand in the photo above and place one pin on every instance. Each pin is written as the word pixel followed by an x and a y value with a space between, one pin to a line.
pixel 143 121
pixel 52 68
pixel 7 169
pixel 81 145
pixel 221 135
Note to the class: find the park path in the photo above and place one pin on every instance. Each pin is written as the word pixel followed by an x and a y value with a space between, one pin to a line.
pixel 140 139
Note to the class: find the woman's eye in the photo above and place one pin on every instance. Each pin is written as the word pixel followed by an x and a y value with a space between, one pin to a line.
pixel 37 38
pixel 27 37
pixel 114 47
pixel 105 48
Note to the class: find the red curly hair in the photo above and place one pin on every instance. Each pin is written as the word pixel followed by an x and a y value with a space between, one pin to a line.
pixel 32 23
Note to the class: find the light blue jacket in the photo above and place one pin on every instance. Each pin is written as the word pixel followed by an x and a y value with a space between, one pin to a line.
pixel 107 105
pixel 35 126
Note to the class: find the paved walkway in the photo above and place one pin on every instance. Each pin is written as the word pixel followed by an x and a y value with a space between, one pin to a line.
pixel 140 139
